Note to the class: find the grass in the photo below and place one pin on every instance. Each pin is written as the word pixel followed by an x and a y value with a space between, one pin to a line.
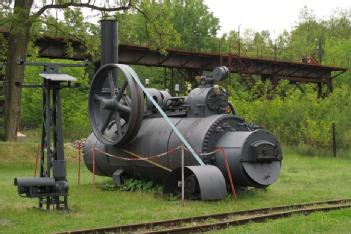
pixel 303 179
pixel 331 222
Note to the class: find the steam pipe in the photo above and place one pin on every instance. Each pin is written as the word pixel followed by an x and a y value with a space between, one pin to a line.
pixel 109 41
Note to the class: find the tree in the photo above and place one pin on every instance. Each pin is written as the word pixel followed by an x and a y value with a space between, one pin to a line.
pixel 25 12
pixel 197 26
pixel 150 23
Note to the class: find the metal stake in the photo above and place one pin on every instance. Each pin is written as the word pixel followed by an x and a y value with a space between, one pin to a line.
pixel 36 161
pixel 334 140
pixel 79 154
pixel 182 149
pixel 94 169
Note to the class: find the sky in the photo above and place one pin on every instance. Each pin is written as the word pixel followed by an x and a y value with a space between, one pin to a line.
pixel 272 15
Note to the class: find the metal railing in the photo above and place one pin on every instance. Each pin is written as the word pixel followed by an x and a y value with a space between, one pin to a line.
pixel 250 49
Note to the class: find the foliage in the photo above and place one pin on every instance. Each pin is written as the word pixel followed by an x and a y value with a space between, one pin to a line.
pixel 73 28
pixel 133 185
pixel 297 117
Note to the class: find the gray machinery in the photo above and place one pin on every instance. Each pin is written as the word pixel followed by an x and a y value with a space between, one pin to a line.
pixel 124 120
pixel 51 187
pixel 254 155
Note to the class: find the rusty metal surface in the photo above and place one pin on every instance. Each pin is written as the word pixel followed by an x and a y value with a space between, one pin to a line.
pixel 55 47
pixel 140 55
pixel 224 219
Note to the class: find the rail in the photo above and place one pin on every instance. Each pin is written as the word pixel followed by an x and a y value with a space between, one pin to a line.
pixel 220 220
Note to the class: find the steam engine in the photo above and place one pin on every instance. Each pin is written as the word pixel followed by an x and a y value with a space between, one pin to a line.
pixel 125 124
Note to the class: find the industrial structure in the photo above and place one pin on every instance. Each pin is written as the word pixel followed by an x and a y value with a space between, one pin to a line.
pixel 198 62
pixel 51 186
pixel 195 63
pixel 131 121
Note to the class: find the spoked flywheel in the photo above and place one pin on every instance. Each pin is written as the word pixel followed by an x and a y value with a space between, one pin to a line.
pixel 115 104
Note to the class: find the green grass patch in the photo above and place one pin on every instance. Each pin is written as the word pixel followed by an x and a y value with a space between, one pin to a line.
pixel 331 222
pixel 303 179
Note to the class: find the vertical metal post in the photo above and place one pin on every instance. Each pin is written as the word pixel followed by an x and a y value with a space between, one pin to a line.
pixel 36 161
pixel 330 85
pixel 334 140
pixel 228 172
pixel 43 136
pixel 172 85
pixel 320 89
pixel 94 169
pixel 79 154
pixel 54 122
pixel 165 78
pixel 47 127
pixel 58 125
pixel 182 162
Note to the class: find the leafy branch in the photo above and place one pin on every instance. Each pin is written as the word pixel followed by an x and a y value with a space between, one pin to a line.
pixel 88 4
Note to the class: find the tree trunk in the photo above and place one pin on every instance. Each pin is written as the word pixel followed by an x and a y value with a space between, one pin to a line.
pixel 17 48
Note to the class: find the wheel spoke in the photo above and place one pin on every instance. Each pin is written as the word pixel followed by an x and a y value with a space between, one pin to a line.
pixel 123 108
pixel 111 84
pixel 118 124
pixel 121 90
pixel 98 98
pixel 106 122
pixel 128 102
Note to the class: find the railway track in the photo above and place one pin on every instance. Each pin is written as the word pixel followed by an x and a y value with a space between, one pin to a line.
pixel 221 220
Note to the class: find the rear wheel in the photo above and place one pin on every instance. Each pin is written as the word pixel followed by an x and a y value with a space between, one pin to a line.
pixel 191 187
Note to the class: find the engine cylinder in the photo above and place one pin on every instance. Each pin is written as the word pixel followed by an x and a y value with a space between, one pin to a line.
pixel 254 156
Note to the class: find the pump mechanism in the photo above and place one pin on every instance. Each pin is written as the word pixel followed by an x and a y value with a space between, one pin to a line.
pixel 51 187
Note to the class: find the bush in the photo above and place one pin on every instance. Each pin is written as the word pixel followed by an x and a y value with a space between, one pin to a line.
pixel 300 117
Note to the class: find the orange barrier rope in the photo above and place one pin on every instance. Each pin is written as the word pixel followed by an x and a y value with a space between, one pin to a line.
pixel 229 172
pixel 36 161
pixel 206 154
pixel 139 158
pixel 148 159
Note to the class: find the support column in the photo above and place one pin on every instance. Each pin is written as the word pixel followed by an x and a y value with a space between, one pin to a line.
pixel 320 89
pixel 330 86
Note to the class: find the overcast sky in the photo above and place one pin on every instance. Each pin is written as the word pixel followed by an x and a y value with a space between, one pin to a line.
pixel 272 15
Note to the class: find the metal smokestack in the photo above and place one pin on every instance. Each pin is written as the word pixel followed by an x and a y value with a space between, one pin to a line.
pixel 109 41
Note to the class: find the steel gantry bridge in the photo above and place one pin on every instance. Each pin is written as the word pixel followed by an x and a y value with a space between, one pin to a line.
pixel 196 62
pixel 248 68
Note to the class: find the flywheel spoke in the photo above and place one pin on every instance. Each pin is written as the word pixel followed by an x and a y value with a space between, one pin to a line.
pixel 104 126
pixel 118 124
pixel 98 98
pixel 111 84
pixel 124 108
pixel 121 90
